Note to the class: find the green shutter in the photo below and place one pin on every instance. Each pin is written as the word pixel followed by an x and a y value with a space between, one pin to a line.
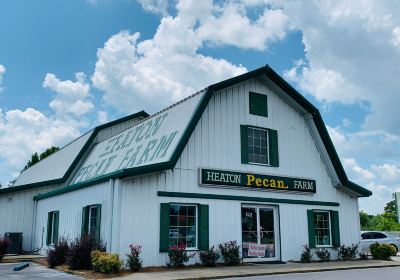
pixel 98 221
pixel 56 223
pixel 164 227
pixel 273 148
pixel 85 221
pixel 244 144
pixel 49 222
pixel 335 228
pixel 258 104
pixel 311 230
pixel 203 235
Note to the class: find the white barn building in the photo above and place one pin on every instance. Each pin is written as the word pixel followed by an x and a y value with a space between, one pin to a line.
pixel 247 159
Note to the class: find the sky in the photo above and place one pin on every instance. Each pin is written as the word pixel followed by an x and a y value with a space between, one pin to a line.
pixel 67 66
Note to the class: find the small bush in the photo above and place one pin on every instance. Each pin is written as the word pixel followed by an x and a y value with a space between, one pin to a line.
pixel 58 255
pixel 79 252
pixel 230 252
pixel 306 254
pixel 348 253
pixel 178 256
pixel 134 262
pixel 323 254
pixel 105 263
pixel 4 243
pixel 209 257
pixel 382 251
pixel 363 256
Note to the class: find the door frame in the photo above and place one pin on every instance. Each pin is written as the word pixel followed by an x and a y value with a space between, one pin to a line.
pixel 277 232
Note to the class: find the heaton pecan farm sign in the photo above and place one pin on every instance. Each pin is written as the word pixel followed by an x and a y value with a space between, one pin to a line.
pixel 258 181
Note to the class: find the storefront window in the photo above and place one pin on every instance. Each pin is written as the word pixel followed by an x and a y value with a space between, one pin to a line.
pixel 183 226
pixel 257 145
pixel 322 227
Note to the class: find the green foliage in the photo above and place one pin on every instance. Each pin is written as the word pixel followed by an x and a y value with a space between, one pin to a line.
pixel 323 254
pixel 347 253
pixel 35 158
pixel 105 263
pixel 381 222
pixel 134 262
pixel 209 258
pixel 230 252
pixel 382 251
pixel 306 254
pixel 178 256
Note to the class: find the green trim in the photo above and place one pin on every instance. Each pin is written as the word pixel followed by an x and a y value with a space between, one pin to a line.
pixel 311 230
pixel 98 222
pixel 56 224
pixel 85 221
pixel 77 159
pixel 273 148
pixel 164 227
pixel 280 82
pixel 258 104
pixel 49 222
pixel 245 198
pixel 244 146
pixel 203 227
pixel 335 228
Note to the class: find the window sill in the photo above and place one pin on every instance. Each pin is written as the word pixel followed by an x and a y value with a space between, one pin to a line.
pixel 324 246
pixel 260 164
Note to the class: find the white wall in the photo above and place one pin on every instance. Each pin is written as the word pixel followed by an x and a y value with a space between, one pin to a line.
pixel 70 206
pixel 17 214
pixel 215 143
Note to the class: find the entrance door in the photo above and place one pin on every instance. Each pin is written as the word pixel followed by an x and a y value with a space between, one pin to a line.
pixel 259 234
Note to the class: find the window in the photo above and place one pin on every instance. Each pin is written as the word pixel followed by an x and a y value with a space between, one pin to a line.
pixel 257 140
pixel 91 220
pixel 258 104
pixel 52 227
pixel 366 235
pixel 322 228
pixel 378 235
pixel 183 226
pixel 259 146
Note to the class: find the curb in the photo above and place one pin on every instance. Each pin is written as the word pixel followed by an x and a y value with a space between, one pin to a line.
pixel 295 271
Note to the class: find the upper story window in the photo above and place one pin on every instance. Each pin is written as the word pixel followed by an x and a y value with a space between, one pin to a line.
pixel 258 104
pixel 259 146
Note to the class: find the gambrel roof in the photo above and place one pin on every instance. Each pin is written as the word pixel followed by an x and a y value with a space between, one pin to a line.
pixel 156 143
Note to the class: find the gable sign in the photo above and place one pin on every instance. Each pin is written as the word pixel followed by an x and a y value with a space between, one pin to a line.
pixel 149 142
pixel 256 181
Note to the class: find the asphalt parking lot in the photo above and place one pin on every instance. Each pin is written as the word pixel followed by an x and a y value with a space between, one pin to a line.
pixel 33 272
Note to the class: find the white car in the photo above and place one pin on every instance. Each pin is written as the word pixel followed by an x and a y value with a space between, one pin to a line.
pixel 371 237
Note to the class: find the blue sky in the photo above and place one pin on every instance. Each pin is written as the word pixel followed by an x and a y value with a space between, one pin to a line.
pixel 66 66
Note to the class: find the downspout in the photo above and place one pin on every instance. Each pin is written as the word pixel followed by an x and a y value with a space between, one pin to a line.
pixel 33 229
pixel 110 216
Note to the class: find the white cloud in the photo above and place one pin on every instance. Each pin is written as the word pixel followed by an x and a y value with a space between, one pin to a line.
pixel 72 98
pixel 155 6
pixel 351 49
pixel 102 117
pixel 2 71
pixel 153 73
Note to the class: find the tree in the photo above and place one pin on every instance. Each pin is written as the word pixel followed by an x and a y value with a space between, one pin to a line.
pixel 390 207
pixel 35 158
pixel 382 222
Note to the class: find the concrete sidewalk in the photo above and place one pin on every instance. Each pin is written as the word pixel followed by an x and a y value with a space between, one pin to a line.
pixel 257 269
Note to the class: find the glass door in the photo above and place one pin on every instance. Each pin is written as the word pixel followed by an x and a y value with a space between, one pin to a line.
pixel 259 238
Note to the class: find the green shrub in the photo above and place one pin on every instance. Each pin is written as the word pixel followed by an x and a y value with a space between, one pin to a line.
pixel 134 262
pixel 178 256
pixel 105 263
pixel 348 253
pixel 4 243
pixel 79 252
pixel 323 254
pixel 209 257
pixel 306 254
pixel 363 256
pixel 230 252
pixel 58 255
pixel 382 251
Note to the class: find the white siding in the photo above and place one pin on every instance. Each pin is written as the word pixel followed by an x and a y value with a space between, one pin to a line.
pixel 215 143
pixel 70 206
pixel 17 214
